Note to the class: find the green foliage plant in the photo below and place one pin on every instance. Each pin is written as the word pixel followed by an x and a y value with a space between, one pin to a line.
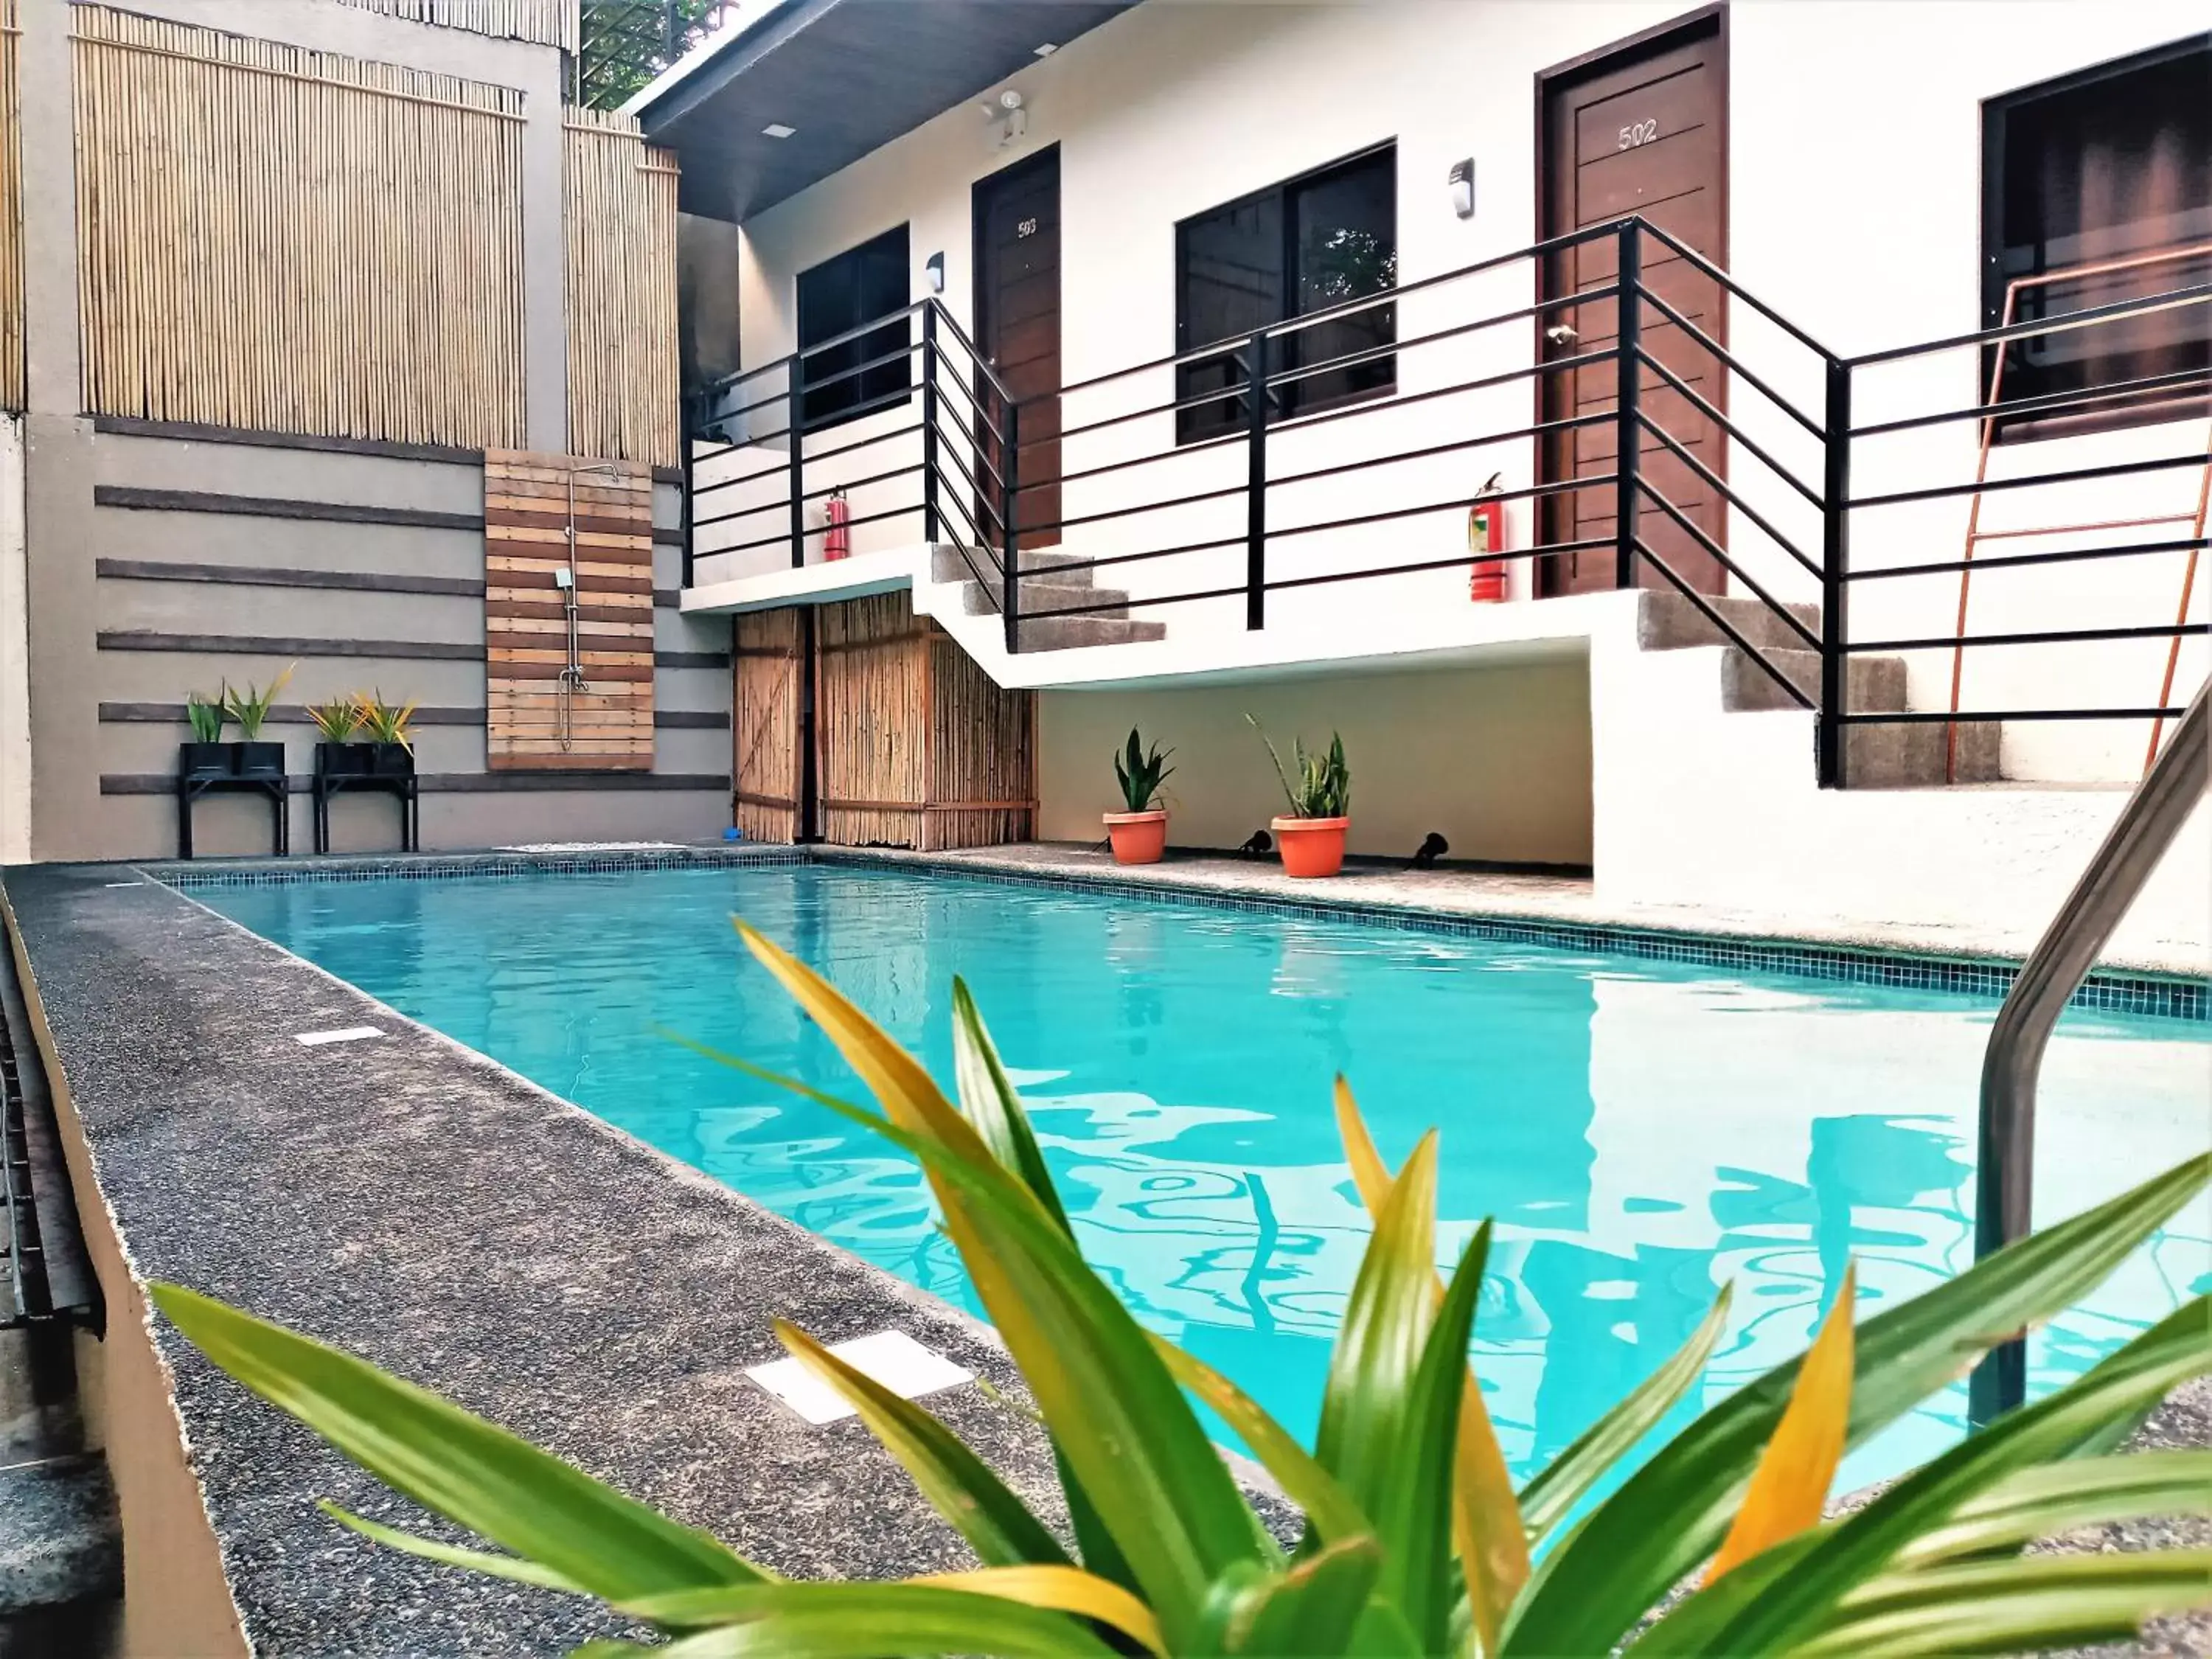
pixel 206 715
pixel 383 722
pixel 1322 785
pixel 1140 774
pixel 1415 1542
pixel 251 707
pixel 336 718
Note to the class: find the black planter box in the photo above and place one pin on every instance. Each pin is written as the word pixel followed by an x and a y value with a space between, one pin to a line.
pixel 345 759
pixel 260 760
pixel 392 760
pixel 206 760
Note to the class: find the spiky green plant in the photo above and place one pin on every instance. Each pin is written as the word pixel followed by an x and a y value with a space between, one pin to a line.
pixel 1140 774
pixel 1415 1541
pixel 336 718
pixel 383 722
pixel 251 707
pixel 206 715
pixel 1323 788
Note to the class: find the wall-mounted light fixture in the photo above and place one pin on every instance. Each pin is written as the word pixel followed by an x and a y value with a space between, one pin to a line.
pixel 934 269
pixel 1009 116
pixel 1463 188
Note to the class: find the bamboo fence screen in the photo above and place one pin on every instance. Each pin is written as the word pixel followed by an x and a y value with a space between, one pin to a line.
pixel 11 217
pixel 915 745
pixel 545 22
pixel 620 217
pixel 292 240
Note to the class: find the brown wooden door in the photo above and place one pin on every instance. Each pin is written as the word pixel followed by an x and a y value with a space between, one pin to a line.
pixel 1640 128
pixel 1017 215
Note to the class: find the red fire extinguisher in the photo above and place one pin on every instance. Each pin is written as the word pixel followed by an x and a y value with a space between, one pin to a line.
pixel 1485 533
pixel 838 542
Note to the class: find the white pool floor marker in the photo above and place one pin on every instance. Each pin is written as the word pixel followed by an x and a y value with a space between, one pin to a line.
pixel 891 1358
pixel 348 1034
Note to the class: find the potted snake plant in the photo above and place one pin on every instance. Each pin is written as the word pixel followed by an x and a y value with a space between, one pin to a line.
pixel 391 742
pixel 207 755
pixel 338 722
pixel 249 710
pixel 1139 834
pixel 1320 794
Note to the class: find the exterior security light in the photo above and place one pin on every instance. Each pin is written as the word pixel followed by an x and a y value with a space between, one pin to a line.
pixel 1010 99
pixel 1463 188
pixel 935 270
pixel 777 130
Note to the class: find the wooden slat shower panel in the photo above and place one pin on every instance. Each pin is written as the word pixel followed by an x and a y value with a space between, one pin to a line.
pixel 620 212
pixel 764 724
pixel 294 242
pixel 11 216
pixel 532 503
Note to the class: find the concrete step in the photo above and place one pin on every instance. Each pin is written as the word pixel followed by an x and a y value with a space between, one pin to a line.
pixel 948 563
pixel 1877 683
pixel 1910 756
pixel 1667 622
pixel 1048 596
pixel 1065 633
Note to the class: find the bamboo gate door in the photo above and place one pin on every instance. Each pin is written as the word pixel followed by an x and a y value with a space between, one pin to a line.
pixel 902 742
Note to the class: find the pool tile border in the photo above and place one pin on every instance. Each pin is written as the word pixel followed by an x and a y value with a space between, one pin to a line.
pixel 2107 991
pixel 469 867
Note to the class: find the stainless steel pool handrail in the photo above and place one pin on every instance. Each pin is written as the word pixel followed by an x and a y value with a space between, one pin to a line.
pixel 2005 1165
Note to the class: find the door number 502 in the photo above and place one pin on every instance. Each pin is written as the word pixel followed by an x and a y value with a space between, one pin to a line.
pixel 1640 132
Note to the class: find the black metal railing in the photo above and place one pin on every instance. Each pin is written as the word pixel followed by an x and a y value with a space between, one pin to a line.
pixel 778 411
pixel 1751 466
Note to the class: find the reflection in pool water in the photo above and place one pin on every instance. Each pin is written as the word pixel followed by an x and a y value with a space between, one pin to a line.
pixel 1644 1132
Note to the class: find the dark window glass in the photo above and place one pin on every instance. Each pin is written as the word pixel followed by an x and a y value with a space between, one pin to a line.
pixel 2096 171
pixel 1288 251
pixel 838 296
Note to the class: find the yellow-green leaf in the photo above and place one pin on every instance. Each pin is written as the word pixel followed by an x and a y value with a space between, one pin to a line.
pixel 959 1485
pixel 473 1473
pixel 864 1621
pixel 1325 1504
pixel 1487 1529
pixel 511 1567
pixel 1061 1589
pixel 1138 1453
pixel 1791 1482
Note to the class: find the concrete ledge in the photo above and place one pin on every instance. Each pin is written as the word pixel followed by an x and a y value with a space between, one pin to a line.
pixel 433 1211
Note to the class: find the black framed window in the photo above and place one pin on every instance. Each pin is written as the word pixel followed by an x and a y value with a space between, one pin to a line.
pixel 1295 248
pixel 2095 170
pixel 835 298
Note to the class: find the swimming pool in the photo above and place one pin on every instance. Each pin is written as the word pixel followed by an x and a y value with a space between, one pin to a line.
pixel 1644 1130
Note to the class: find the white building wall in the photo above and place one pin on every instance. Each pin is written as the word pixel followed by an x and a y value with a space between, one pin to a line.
pixel 15 653
pixel 1855 209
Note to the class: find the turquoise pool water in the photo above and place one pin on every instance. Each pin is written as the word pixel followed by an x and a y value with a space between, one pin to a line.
pixel 1641 1131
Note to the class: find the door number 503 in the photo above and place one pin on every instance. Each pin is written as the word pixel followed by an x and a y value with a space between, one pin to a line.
pixel 1640 132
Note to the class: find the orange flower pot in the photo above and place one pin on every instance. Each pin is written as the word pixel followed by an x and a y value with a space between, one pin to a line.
pixel 1138 837
pixel 1312 846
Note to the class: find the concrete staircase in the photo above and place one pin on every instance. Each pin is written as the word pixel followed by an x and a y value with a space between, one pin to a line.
pixel 1060 582
pixel 1875 756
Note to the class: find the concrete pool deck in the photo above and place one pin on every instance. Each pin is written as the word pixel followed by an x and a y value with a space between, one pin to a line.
pixel 421 1205
pixel 425 1208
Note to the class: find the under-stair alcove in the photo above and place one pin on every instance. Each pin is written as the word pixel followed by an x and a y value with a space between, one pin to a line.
pixel 860 724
